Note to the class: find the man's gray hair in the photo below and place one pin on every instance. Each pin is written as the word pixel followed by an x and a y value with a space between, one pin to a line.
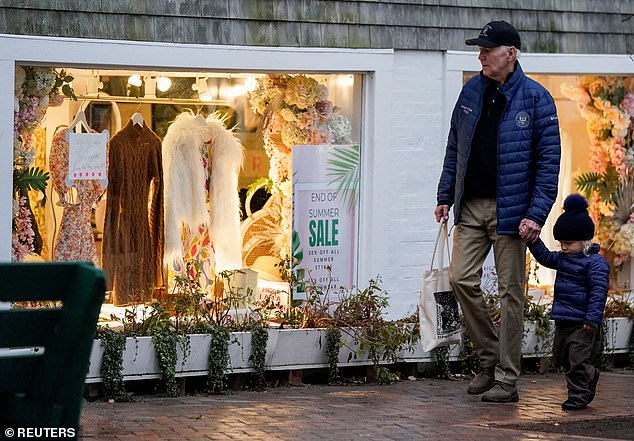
pixel 517 51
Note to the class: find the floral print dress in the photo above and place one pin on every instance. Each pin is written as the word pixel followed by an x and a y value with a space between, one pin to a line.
pixel 75 241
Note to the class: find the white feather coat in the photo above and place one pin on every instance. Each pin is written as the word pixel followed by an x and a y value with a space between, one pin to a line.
pixel 185 198
pixel 226 156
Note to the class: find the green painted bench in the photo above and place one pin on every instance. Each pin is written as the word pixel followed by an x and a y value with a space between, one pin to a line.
pixel 44 352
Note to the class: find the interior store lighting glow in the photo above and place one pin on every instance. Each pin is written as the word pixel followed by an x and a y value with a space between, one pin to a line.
pixel 135 80
pixel 163 83
pixel 250 84
pixel 203 89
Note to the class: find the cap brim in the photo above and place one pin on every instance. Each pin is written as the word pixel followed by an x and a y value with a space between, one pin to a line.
pixel 480 42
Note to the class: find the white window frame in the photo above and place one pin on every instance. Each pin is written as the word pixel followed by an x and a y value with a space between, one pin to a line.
pixel 376 65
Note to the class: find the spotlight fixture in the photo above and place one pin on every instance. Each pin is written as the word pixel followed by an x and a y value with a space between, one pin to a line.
pixel 163 83
pixel 93 85
pixel 135 80
pixel 202 88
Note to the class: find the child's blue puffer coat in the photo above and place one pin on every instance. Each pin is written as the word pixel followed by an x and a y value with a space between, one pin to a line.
pixel 581 285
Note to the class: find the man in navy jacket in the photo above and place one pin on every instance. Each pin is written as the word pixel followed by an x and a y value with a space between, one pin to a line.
pixel 500 174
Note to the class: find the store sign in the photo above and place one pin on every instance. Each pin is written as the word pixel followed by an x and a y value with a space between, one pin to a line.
pixel 324 215
pixel 87 157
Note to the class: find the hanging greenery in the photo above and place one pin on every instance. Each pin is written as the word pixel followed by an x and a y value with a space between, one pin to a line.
pixel 113 343
pixel 218 360
pixel 333 345
pixel 165 346
pixel 259 338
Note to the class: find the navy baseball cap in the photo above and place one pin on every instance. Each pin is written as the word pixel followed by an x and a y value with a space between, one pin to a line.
pixel 497 33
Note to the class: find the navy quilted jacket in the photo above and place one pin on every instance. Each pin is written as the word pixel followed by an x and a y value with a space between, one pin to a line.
pixel 581 285
pixel 528 150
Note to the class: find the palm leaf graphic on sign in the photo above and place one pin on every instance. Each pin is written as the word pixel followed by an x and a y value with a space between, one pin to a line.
pixel 344 171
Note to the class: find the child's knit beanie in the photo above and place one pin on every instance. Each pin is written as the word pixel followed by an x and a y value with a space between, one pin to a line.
pixel 574 223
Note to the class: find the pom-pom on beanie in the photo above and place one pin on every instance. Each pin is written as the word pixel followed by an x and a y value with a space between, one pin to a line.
pixel 575 222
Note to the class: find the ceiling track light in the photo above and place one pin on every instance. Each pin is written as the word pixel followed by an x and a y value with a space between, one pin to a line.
pixel 202 88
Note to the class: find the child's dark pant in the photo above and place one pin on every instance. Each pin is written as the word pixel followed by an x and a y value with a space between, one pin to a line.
pixel 574 350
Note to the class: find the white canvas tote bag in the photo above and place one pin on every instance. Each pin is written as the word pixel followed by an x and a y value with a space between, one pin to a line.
pixel 438 309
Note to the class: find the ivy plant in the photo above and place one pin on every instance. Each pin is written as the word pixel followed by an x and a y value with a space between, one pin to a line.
pixel 333 345
pixel 218 359
pixel 259 338
pixel 165 346
pixel 113 343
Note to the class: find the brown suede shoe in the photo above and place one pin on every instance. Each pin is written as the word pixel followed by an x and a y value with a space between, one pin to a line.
pixel 482 382
pixel 501 393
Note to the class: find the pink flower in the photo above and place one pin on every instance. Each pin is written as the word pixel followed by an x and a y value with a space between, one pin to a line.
pixel 617 153
pixel 627 105
pixel 597 158
pixel 324 109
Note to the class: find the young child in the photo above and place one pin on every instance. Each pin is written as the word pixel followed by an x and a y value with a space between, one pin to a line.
pixel 581 287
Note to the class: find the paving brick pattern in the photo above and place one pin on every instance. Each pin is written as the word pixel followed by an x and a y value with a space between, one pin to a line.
pixel 425 409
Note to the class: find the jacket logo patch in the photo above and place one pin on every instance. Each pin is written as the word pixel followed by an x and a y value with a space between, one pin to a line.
pixel 522 119
pixel 466 109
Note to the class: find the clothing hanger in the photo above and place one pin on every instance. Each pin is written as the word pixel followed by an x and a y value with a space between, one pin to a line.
pixel 137 118
pixel 80 118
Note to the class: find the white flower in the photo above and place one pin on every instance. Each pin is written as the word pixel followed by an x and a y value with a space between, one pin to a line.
pixel 44 80
pixel 624 239
pixel 286 188
pixel 340 129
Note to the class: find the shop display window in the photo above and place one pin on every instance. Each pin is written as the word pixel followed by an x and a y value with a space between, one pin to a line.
pixel 199 174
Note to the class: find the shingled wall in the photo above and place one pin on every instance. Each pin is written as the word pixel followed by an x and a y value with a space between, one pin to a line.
pixel 560 26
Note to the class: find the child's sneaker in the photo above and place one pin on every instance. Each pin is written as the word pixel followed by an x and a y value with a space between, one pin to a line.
pixel 573 404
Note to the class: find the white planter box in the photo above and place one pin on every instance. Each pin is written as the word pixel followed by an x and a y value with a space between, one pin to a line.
pixel 305 349
pixel 534 346
pixel 617 336
pixel 140 361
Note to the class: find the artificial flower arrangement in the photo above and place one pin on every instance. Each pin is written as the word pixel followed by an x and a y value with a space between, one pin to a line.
pixel 607 105
pixel 35 90
pixel 295 110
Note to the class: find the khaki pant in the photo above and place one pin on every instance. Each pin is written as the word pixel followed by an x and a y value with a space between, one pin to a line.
pixel 473 237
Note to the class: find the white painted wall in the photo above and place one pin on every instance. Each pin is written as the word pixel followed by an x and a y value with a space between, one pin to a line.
pixel 416 151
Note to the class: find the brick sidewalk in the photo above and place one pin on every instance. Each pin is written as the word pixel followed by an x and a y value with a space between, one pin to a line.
pixel 425 409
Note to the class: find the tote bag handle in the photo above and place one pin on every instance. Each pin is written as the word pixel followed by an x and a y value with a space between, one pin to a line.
pixel 444 243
